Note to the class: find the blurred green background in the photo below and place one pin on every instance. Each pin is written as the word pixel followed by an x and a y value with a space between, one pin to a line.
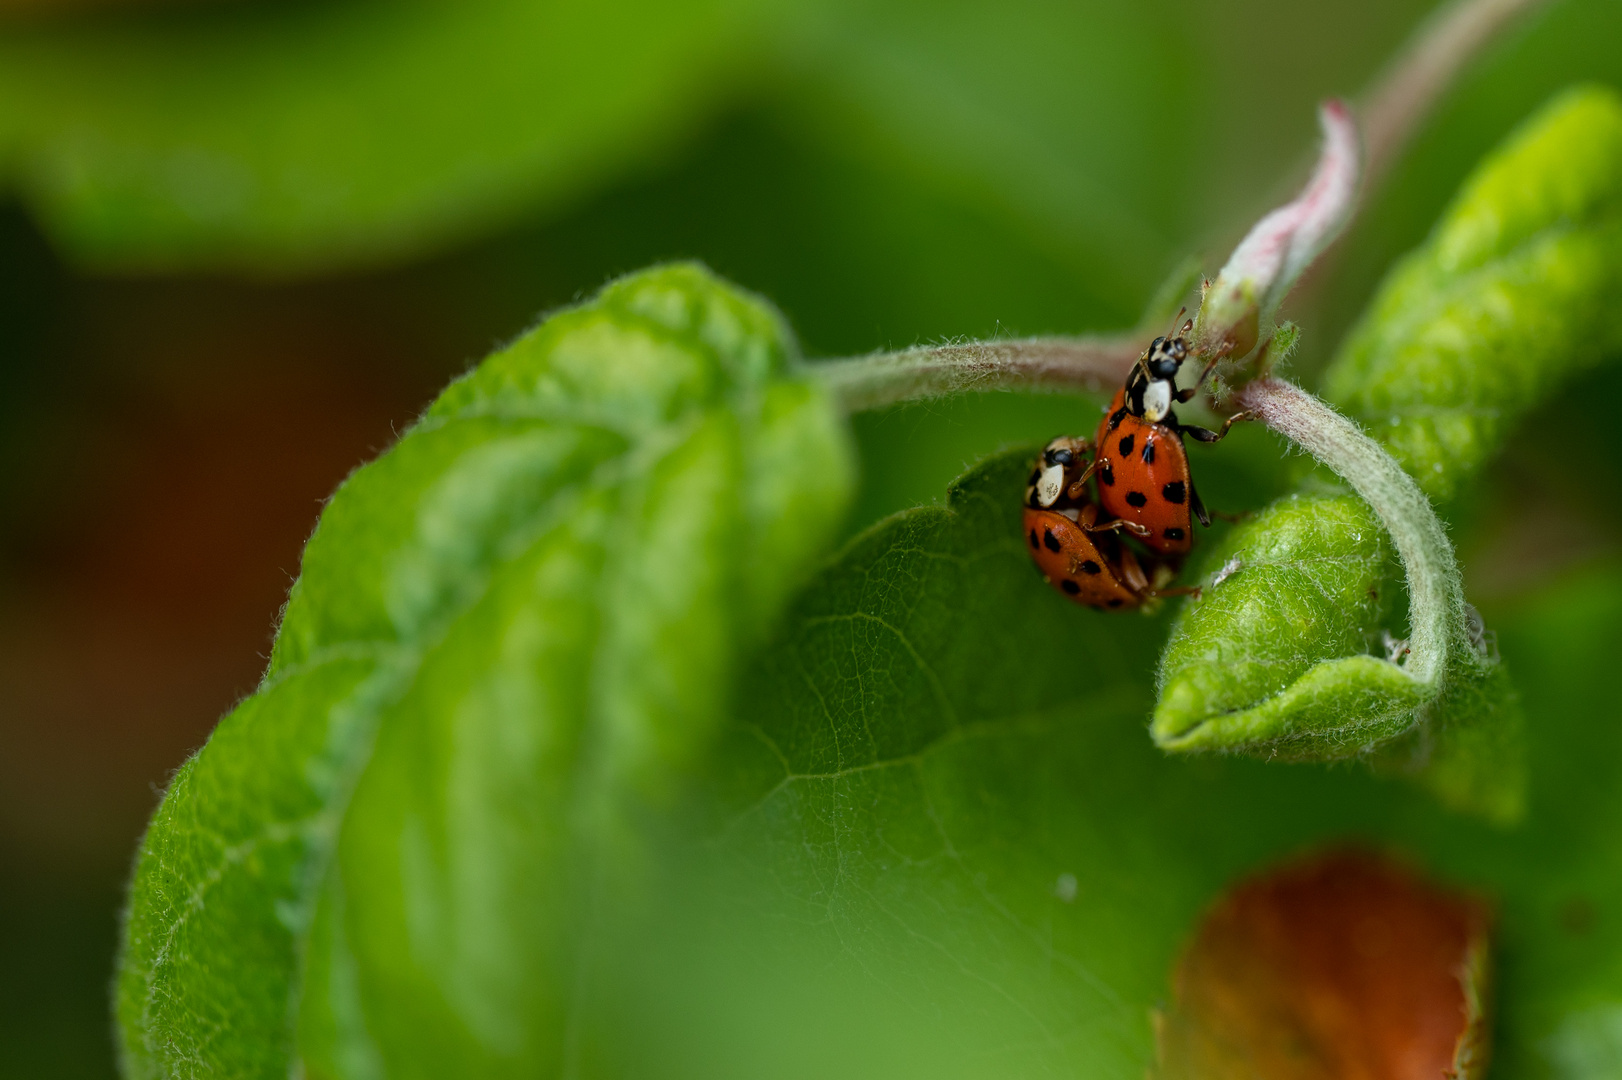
pixel 245 242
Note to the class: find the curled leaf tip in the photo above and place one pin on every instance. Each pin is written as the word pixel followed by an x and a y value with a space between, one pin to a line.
pixel 1286 654
pixel 1240 305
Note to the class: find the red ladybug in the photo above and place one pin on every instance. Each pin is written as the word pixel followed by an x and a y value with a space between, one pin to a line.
pixel 1142 469
pixel 1082 559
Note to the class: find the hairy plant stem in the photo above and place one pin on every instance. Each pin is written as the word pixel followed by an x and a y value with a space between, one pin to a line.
pixel 1074 364
pixel 1436 609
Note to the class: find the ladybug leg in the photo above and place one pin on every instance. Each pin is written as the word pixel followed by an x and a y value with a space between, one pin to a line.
pixel 1210 366
pixel 1077 486
pixel 1132 527
pixel 1180 590
pixel 1132 575
pixel 1196 504
pixel 1206 435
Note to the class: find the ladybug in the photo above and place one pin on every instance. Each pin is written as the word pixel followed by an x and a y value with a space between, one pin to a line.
pixel 1077 556
pixel 1142 466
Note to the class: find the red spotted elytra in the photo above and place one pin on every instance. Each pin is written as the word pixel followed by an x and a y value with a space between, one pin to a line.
pixel 1077 556
pixel 1142 467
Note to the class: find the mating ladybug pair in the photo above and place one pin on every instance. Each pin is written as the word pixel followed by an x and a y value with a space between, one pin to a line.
pixel 1144 490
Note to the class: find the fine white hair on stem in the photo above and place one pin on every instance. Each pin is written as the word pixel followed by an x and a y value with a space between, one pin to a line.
pixel 1075 364
pixel 1241 304
pixel 1240 307
pixel 1436 608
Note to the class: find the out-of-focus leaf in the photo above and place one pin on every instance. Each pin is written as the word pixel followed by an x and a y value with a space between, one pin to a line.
pixel 512 629
pixel 1345 965
pixel 296 136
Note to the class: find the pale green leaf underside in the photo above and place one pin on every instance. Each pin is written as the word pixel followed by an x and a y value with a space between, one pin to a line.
pixel 519 623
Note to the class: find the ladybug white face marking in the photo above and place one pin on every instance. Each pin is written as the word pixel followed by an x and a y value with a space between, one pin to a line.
pixel 1157 400
pixel 1050 485
pixel 1057 459
pixel 1158 376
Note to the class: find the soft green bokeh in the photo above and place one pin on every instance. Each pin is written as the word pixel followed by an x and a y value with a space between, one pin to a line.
pixel 293 137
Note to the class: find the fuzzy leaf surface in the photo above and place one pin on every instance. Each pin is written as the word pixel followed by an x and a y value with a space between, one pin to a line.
pixel 510 632
pixel 950 851
pixel 1505 304
pixel 1509 300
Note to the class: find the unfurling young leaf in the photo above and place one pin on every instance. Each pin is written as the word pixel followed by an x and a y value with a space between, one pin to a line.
pixel 1506 301
pixel 521 620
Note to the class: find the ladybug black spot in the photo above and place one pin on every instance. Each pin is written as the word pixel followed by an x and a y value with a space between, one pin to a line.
pixel 1116 602
pixel 1107 475
pixel 1116 417
pixel 1173 533
pixel 1136 498
pixel 1090 567
pixel 1070 586
pixel 1148 451
pixel 1050 540
pixel 1126 446
pixel 1174 492
pixel 1034 544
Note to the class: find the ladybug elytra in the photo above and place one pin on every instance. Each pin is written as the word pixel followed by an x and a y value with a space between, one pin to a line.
pixel 1142 467
pixel 1077 556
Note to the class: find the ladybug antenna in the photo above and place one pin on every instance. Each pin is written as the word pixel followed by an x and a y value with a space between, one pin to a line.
pixel 1180 313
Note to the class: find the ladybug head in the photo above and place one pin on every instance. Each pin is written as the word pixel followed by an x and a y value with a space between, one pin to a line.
pixel 1051 476
pixel 1165 357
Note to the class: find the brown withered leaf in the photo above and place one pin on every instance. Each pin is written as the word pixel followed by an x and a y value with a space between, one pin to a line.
pixel 1344 966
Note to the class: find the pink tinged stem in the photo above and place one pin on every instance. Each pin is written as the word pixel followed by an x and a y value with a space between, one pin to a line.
pixel 1277 251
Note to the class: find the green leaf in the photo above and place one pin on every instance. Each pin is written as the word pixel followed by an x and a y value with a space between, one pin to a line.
pixel 510 632
pixel 309 135
pixel 956 854
pixel 1288 621
pixel 1506 303
pixel 1509 301
pixel 946 848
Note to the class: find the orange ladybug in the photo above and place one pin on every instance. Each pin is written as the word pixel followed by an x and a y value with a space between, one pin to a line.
pixel 1142 466
pixel 1077 556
